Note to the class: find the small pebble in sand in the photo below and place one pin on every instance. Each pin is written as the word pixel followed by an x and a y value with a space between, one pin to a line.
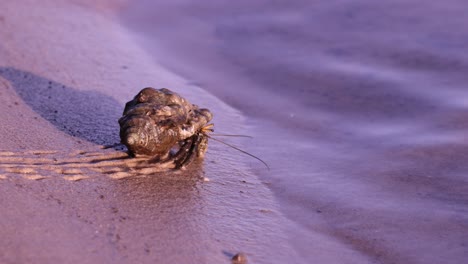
pixel 205 179
pixel 239 258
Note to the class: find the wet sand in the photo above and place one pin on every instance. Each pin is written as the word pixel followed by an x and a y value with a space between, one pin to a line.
pixel 359 109
pixel 66 70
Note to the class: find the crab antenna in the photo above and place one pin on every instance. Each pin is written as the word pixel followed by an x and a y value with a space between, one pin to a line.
pixel 243 151
pixel 228 135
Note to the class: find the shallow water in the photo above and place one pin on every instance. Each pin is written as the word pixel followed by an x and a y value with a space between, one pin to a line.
pixel 359 108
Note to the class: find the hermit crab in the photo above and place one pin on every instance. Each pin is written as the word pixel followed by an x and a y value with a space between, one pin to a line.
pixel 165 127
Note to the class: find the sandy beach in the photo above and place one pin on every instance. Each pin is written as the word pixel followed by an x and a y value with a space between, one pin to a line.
pixel 66 71
pixel 359 109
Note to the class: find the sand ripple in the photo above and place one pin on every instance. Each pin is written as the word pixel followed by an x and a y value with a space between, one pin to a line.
pixel 75 166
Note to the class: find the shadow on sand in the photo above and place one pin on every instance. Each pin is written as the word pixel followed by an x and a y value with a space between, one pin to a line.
pixel 88 115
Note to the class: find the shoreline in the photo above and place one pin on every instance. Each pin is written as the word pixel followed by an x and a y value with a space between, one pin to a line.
pixel 357 106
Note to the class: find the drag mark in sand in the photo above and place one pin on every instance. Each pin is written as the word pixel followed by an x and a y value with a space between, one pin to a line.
pixel 76 166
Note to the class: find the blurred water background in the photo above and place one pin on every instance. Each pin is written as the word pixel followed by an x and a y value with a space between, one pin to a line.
pixel 359 107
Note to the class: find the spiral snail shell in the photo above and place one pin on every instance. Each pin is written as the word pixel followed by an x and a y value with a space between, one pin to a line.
pixel 157 120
